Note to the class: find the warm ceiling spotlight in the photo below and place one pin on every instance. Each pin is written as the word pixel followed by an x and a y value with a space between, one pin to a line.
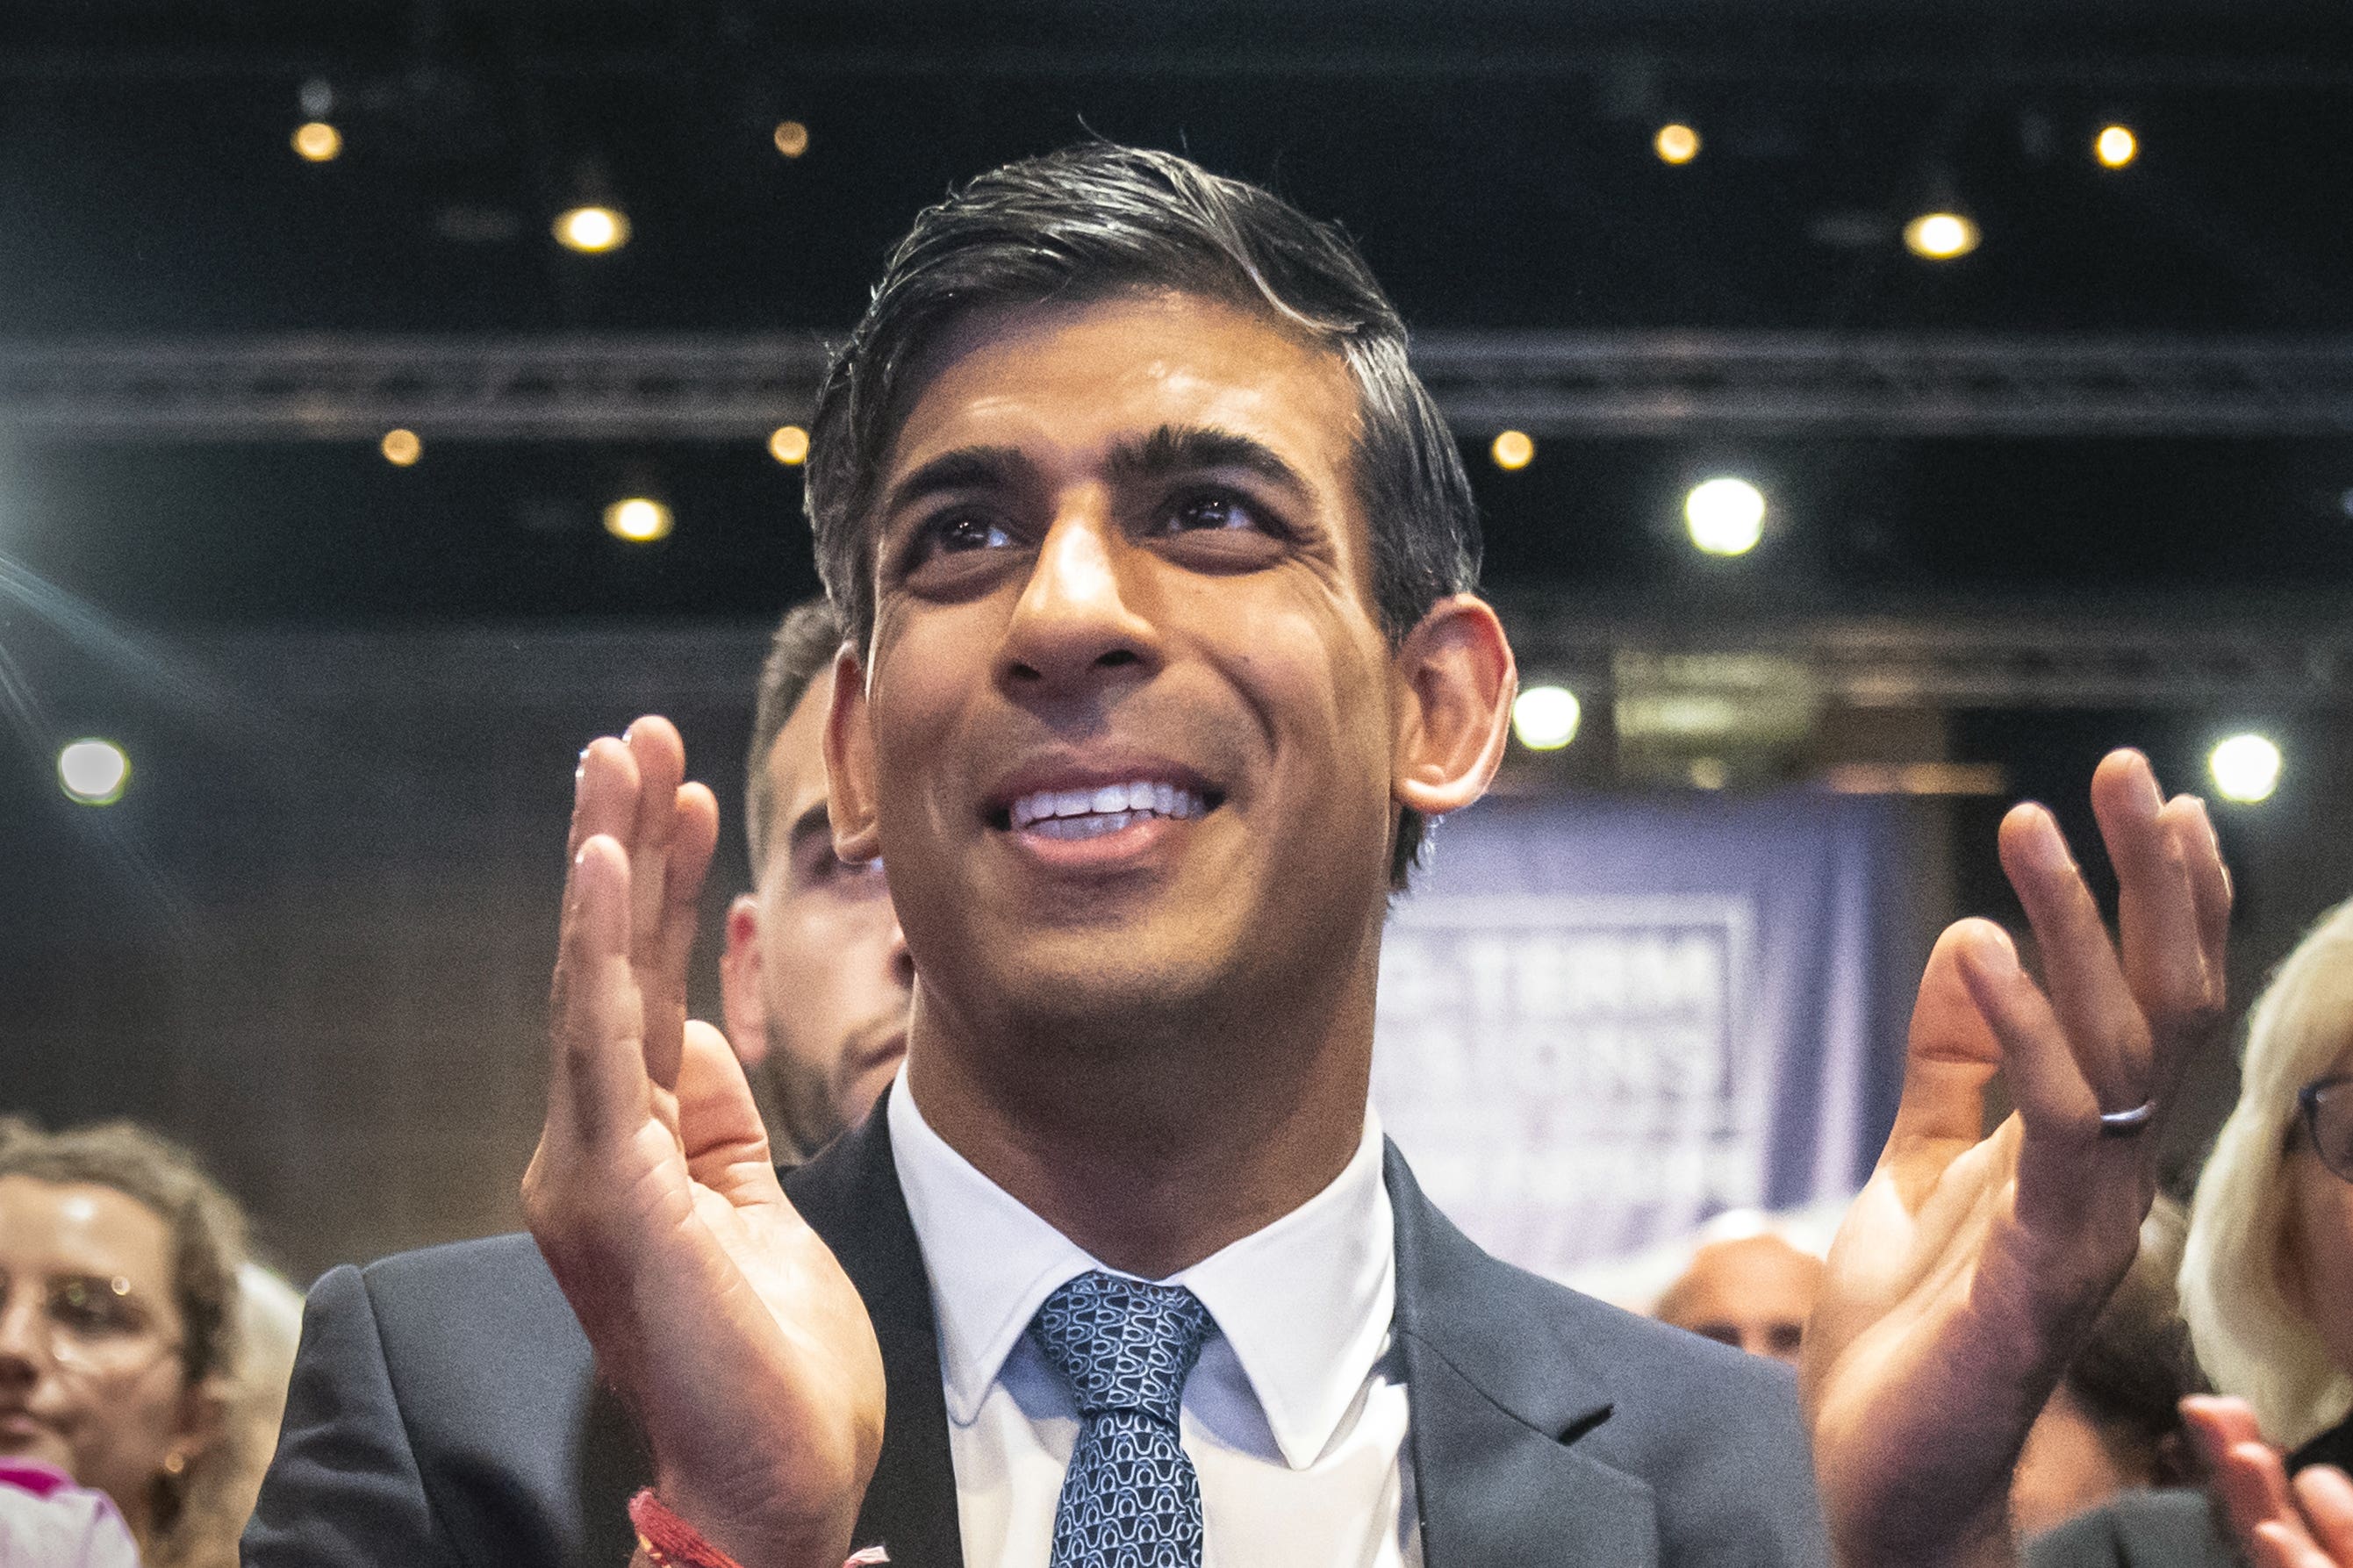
pixel 1675 143
pixel 1544 718
pixel 591 230
pixel 93 772
pixel 2116 146
pixel 2246 768
pixel 401 447
pixel 1513 450
pixel 792 138
pixel 789 445
pixel 1941 235
pixel 1725 516
pixel 318 141
pixel 638 520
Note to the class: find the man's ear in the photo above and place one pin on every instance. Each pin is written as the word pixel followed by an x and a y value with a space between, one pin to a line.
pixel 850 763
pixel 741 1001
pixel 1454 684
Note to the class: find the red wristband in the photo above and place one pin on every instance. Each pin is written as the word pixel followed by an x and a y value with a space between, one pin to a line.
pixel 668 1541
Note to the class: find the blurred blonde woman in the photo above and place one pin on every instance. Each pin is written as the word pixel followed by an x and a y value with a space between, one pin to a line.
pixel 2266 1281
pixel 122 1360
pixel 2267 1275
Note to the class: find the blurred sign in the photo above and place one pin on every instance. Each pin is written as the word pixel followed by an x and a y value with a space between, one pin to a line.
pixel 1577 1069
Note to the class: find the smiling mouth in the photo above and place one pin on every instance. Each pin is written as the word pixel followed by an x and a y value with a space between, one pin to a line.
pixel 1104 809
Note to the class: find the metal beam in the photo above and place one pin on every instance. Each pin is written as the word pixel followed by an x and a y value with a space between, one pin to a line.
pixel 739 387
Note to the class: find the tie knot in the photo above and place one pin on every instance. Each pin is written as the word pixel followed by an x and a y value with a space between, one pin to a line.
pixel 1124 1344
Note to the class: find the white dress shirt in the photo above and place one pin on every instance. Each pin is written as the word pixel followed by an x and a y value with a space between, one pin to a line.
pixel 1295 1418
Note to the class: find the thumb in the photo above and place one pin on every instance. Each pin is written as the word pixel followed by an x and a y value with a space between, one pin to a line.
pixel 1951 1053
pixel 719 1125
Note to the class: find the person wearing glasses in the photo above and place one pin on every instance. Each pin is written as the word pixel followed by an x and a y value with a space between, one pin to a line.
pixel 119 1353
pixel 2267 1291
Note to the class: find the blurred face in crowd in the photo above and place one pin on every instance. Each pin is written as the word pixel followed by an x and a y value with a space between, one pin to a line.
pixel 2069 1466
pixel 92 1379
pixel 1753 1294
pixel 816 975
pixel 2318 1256
pixel 1127 728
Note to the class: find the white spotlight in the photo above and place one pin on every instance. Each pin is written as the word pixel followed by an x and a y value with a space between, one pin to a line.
pixel 93 772
pixel 1727 515
pixel 2246 768
pixel 1544 718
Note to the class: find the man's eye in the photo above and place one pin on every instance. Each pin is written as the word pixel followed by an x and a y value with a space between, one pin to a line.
pixel 960 532
pixel 1202 513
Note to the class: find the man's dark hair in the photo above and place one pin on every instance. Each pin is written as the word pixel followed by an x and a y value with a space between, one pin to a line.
pixel 806 641
pixel 1100 219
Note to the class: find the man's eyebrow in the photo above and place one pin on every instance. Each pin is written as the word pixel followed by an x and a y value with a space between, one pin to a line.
pixel 1188 449
pixel 809 825
pixel 965 468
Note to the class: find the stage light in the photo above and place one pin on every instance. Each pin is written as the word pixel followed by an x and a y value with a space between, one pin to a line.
pixel 2116 146
pixel 1725 516
pixel 638 520
pixel 93 772
pixel 1709 773
pixel 789 445
pixel 2246 768
pixel 1941 235
pixel 1544 718
pixel 401 447
pixel 1512 450
pixel 318 141
pixel 1675 143
pixel 792 138
pixel 591 230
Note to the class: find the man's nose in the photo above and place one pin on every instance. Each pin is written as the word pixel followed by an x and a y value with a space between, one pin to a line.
pixel 1078 615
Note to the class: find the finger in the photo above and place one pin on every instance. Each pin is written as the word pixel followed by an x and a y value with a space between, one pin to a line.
pixel 2326 1496
pixel 2209 878
pixel 597 1081
pixel 718 1122
pixel 2038 1059
pixel 2160 937
pixel 662 971
pixel 2102 1021
pixel 1950 1053
pixel 2274 1544
pixel 2252 1485
pixel 660 757
pixel 604 795
pixel 2215 1422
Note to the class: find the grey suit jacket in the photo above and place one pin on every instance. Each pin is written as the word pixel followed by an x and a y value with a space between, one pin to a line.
pixel 445 1411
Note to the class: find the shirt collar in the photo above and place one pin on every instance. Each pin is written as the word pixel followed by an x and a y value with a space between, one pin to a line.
pixel 1304 1302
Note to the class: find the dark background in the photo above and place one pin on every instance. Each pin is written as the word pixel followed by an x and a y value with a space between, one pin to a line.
pixel 313 936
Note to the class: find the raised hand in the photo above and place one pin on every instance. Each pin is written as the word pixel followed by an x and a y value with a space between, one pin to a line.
pixel 2278 1523
pixel 1970 1268
pixel 719 1316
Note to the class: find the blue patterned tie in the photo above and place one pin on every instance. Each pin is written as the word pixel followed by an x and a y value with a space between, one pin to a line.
pixel 1131 1499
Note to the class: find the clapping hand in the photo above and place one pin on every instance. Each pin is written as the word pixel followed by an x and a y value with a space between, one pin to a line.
pixel 719 1316
pixel 2278 1523
pixel 1970 1268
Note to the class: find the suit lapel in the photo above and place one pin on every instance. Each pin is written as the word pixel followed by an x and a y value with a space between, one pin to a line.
pixel 1500 1412
pixel 849 1195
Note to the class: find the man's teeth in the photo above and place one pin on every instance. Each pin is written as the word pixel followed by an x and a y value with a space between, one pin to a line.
pixel 1088 812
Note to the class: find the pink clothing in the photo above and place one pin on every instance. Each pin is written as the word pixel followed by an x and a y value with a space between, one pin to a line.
pixel 47 1521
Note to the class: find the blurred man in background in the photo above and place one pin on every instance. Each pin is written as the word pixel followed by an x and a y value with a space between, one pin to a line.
pixel 815 977
pixel 1752 1292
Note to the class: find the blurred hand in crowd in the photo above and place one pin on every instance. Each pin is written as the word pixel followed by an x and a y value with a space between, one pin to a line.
pixel 2278 1522
pixel 715 1311
pixel 1971 1266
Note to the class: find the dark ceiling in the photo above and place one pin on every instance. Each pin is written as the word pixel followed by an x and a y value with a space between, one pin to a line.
pixel 1494 158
